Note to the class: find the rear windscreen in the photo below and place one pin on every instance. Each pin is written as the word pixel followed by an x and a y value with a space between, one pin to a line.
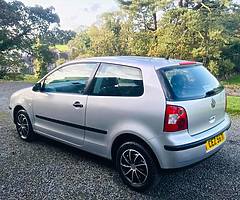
pixel 190 82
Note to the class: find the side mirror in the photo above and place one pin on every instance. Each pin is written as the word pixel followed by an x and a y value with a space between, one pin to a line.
pixel 37 87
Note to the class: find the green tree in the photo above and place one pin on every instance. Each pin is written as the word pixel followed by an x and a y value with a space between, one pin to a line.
pixel 204 30
pixel 43 57
pixel 108 37
pixel 20 25
pixel 57 36
pixel 80 45
pixel 144 12
pixel 200 34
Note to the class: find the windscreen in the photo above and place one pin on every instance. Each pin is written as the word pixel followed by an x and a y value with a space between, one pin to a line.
pixel 190 82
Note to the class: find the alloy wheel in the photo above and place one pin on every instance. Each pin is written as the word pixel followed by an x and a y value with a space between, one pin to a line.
pixel 22 126
pixel 134 167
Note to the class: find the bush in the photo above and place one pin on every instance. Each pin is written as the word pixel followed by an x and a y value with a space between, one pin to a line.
pixel 226 68
pixel 14 76
pixel 30 78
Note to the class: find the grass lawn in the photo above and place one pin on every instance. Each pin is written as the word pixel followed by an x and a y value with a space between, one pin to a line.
pixel 233 82
pixel 62 48
pixel 28 78
pixel 233 102
pixel 233 105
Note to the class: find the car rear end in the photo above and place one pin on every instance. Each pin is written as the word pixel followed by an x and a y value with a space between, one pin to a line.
pixel 195 122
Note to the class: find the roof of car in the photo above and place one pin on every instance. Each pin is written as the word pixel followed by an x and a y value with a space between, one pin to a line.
pixel 135 61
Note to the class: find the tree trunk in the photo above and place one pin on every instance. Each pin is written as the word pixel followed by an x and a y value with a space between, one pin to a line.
pixel 155 21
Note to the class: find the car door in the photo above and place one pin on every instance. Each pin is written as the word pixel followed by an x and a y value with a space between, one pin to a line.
pixel 111 102
pixel 59 108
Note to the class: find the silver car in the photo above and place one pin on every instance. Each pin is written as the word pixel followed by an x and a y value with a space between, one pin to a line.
pixel 145 114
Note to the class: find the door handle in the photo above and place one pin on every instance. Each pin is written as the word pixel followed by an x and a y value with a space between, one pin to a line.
pixel 77 104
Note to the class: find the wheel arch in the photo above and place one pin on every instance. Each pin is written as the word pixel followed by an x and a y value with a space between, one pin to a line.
pixel 15 111
pixel 129 137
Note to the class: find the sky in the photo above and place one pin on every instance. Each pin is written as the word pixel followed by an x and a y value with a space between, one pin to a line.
pixel 76 13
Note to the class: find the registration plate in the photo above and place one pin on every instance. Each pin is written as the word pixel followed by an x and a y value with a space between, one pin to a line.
pixel 214 142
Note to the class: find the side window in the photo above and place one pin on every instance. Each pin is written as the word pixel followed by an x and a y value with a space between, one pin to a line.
pixel 70 79
pixel 118 80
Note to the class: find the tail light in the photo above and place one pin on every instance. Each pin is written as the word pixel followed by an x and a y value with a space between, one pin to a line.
pixel 175 119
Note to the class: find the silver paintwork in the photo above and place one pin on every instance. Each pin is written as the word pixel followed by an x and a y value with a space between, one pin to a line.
pixel 60 106
pixel 141 116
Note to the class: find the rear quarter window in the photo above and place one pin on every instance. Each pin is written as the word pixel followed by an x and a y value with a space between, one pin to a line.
pixel 189 82
pixel 117 80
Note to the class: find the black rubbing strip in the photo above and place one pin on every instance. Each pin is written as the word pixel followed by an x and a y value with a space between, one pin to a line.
pixel 72 125
pixel 95 130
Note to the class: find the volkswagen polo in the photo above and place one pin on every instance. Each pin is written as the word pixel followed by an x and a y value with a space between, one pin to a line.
pixel 143 113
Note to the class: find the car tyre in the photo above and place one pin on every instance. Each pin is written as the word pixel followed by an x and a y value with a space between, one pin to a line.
pixel 24 126
pixel 136 166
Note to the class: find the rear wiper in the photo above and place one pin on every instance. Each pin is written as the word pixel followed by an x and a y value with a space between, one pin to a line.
pixel 210 93
pixel 214 91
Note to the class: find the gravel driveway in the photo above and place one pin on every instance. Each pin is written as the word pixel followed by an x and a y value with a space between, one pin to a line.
pixel 46 169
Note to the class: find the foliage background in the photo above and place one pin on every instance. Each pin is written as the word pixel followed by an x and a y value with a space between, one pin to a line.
pixel 29 31
pixel 202 30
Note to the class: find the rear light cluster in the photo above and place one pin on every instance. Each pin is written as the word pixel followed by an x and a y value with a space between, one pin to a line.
pixel 175 119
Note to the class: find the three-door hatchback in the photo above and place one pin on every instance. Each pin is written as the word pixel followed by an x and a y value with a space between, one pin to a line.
pixel 143 113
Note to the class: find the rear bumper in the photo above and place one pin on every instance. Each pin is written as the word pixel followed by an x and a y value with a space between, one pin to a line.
pixel 181 149
pixel 194 144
